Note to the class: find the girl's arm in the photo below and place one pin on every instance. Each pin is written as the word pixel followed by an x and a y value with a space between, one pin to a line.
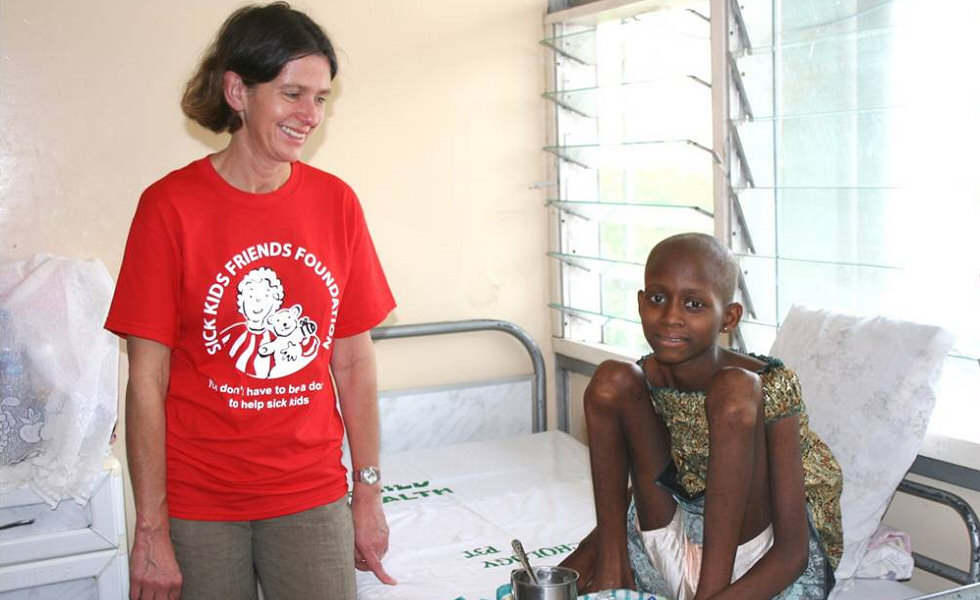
pixel 354 371
pixel 787 558
pixel 153 568
pixel 735 481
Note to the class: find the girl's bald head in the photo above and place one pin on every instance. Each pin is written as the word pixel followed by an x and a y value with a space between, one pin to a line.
pixel 717 260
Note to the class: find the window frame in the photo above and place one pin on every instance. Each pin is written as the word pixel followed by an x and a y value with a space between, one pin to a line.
pixel 590 14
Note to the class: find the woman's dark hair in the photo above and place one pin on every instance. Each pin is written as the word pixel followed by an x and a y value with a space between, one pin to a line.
pixel 254 42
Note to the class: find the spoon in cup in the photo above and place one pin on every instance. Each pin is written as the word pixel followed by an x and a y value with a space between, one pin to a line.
pixel 519 550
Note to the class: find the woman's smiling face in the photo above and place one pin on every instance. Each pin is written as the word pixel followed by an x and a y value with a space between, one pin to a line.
pixel 280 115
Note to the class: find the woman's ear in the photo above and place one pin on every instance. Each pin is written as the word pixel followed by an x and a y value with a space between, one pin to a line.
pixel 731 316
pixel 234 89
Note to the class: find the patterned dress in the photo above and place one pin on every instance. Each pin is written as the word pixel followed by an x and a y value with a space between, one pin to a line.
pixel 685 478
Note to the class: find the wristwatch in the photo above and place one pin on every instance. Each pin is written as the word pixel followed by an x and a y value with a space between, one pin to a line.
pixel 368 475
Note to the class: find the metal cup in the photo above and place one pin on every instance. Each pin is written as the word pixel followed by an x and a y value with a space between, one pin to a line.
pixel 554 583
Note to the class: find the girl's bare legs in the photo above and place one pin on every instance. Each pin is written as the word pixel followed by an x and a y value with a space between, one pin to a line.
pixel 625 436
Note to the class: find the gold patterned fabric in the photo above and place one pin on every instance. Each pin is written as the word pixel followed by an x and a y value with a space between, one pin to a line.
pixel 685 417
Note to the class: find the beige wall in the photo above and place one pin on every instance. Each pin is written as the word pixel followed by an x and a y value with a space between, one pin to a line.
pixel 436 121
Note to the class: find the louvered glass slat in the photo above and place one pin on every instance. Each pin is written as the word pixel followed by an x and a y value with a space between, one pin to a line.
pixel 578 46
pixel 872 226
pixel 865 289
pixel 679 216
pixel 631 102
pixel 684 156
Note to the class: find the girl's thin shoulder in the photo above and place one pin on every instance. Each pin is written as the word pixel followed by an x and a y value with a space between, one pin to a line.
pixel 618 373
pixel 618 369
pixel 775 376
pixel 744 369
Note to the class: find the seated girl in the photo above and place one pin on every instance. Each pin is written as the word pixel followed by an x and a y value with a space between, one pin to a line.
pixel 733 495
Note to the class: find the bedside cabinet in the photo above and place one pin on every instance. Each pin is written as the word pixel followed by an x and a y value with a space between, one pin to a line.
pixel 71 552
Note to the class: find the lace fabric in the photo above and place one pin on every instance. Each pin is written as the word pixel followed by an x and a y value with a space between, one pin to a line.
pixel 70 364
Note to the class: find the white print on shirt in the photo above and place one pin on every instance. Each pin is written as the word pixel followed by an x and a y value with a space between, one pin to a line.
pixel 260 398
pixel 271 341
pixel 292 332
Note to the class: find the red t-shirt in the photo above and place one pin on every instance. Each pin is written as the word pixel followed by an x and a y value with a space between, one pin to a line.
pixel 249 291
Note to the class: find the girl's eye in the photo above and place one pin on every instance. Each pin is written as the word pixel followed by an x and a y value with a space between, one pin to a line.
pixel 658 298
pixel 694 303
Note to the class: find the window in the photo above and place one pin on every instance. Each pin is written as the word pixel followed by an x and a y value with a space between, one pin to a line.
pixel 633 125
pixel 852 128
pixel 849 180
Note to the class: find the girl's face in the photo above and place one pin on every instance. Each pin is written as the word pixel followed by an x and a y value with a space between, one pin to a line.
pixel 280 115
pixel 681 308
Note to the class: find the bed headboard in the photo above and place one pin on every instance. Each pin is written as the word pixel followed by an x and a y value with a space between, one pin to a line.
pixel 511 393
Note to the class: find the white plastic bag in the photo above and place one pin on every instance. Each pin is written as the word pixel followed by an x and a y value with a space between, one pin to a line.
pixel 55 309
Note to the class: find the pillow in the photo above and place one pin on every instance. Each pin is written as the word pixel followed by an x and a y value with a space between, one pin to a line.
pixel 869 388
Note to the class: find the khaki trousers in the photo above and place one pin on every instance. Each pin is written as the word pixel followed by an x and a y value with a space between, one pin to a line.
pixel 307 555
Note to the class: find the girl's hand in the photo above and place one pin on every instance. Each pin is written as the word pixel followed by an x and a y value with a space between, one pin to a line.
pixel 612 573
pixel 370 532
pixel 598 573
pixel 582 560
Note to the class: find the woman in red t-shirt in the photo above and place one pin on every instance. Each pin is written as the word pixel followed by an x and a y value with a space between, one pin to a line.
pixel 247 291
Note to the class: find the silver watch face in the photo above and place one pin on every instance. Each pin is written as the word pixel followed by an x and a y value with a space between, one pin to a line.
pixel 368 475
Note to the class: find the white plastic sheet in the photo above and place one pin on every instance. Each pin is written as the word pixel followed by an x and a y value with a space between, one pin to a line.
pixel 453 512
pixel 56 308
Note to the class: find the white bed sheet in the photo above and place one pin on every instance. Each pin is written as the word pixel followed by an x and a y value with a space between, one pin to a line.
pixel 453 512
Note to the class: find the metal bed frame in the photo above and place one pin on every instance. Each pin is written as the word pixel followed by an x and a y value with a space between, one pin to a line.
pixel 565 365
pixel 539 413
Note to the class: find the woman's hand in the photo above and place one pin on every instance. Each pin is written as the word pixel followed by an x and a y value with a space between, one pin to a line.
pixel 370 531
pixel 153 570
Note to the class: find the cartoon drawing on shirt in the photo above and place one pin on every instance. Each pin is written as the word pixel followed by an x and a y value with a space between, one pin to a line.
pixel 294 336
pixel 270 342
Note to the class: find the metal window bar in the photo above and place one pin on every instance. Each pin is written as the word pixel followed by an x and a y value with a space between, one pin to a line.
pixel 735 12
pixel 744 108
pixel 740 220
pixel 739 157
pixel 743 163
pixel 743 96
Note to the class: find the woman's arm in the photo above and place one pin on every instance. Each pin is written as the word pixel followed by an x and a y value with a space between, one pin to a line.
pixel 787 557
pixel 353 370
pixel 153 568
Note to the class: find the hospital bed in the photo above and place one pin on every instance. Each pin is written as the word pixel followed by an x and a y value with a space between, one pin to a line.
pixel 459 485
